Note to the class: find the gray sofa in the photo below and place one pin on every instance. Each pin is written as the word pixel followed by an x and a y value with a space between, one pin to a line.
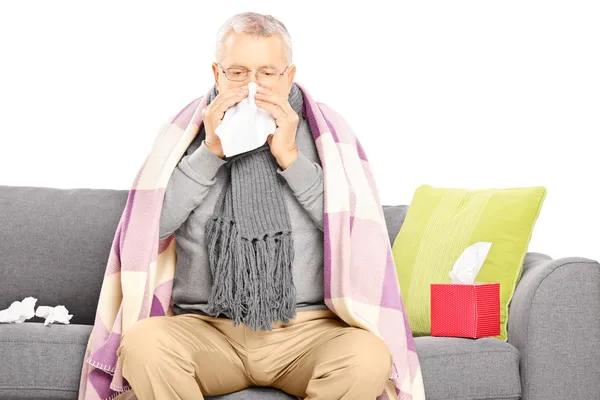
pixel 553 350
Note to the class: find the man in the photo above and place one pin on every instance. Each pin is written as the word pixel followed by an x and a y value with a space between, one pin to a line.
pixel 248 290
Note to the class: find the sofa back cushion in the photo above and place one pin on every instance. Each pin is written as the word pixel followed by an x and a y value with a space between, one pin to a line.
pixel 394 218
pixel 55 243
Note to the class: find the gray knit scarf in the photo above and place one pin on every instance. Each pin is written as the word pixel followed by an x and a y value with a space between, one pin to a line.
pixel 250 242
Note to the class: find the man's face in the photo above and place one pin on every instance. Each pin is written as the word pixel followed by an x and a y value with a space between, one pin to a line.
pixel 250 52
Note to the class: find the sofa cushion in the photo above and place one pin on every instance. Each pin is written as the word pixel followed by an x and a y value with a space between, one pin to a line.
pixel 41 362
pixel 394 218
pixel 457 368
pixel 55 245
pixel 255 394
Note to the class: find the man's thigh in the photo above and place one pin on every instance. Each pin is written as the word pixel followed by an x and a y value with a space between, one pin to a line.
pixel 194 346
pixel 334 357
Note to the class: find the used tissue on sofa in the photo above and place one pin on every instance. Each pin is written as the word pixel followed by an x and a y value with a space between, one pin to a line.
pixel 469 263
pixel 245 126
pixel 19 311
pixel 54 314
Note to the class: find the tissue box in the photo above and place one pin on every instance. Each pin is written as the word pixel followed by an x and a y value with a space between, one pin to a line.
pixel 470 310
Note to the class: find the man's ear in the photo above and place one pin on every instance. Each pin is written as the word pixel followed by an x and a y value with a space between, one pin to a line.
pixel 291 75
pixel 215 68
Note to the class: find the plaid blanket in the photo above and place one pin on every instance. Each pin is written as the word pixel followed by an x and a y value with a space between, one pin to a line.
pixel 361 285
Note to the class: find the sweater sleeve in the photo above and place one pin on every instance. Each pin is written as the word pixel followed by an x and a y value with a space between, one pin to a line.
pixel 187 187
pixel 305 179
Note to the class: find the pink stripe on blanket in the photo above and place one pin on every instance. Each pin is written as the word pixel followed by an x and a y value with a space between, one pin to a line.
pixel 326 257
pixel 333 116
pixel 113 265
pixel 390 296
pixel 367 263
pixel 413 358
pixel 156 310
pixel 100 332
pixel 400 342
pixel 333 131
pixel 396 336
pixel 343 131
pixel 100 381
pixel 315 121
pixel 192 113
pixel 161 299
pixel 164 244
pixel 140 230
pixel 183 118
pixel 106 355
pixel 125 217
pixel 361 151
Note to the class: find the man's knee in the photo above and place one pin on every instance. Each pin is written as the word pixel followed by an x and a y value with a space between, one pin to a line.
pixel 371 360
pixel 141 343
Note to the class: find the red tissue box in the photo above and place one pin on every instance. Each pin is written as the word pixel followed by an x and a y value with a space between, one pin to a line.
pixel 470 310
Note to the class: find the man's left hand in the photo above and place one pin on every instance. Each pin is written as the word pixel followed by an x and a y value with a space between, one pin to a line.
pixel 283 141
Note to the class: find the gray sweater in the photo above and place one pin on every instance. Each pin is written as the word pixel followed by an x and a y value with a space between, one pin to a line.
pixel 189 202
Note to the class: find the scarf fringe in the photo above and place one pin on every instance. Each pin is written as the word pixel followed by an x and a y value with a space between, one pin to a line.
pixel 252 278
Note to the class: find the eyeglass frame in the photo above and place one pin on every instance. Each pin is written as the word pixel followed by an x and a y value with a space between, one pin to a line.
pixel 223 70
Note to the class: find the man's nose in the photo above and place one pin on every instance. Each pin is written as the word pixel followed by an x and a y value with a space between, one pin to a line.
pixel 252 76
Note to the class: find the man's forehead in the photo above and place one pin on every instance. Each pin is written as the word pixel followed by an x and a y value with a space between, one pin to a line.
pixel 238 65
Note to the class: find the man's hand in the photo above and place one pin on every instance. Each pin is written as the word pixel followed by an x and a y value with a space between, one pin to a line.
pixel 283 141
pixel 212 116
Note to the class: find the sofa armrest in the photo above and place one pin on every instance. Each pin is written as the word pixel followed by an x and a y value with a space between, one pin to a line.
pixel 554 322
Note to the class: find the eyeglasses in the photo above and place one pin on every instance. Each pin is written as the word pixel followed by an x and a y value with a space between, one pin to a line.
pixel 240 74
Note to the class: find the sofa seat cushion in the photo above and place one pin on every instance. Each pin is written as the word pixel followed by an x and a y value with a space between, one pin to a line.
pixel 468 369
pixel 41 362
pixel 255 394
pixel 44 362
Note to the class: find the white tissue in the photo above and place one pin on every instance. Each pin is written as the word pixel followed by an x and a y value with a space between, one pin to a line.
pixel 53 314
pixel 469 263
pixel 245 126
pixel 18 311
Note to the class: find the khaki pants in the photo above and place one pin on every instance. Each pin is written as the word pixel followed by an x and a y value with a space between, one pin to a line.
pixel 316 356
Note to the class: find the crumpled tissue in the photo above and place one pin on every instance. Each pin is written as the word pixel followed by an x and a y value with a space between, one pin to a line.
pixel 469 263
pixel 18 311
pixel 53 314
pixel 245 126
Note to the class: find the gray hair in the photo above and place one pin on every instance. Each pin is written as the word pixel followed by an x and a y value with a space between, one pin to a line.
pixel 256 24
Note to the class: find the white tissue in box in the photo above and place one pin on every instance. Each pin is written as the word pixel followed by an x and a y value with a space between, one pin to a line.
pixel 469 263
pixel 18 311
pixel 245 126
pixel 53 314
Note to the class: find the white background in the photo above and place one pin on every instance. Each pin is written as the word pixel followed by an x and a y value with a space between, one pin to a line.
pixel 485 94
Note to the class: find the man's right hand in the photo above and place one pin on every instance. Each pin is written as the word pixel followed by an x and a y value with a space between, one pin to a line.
pixel 213 114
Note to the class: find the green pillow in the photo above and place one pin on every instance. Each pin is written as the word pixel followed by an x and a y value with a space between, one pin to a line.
pixel 442 222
